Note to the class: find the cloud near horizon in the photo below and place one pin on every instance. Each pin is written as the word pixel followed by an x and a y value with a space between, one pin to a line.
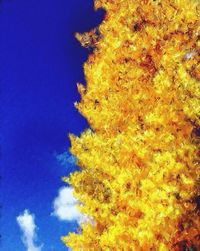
pixel 26 222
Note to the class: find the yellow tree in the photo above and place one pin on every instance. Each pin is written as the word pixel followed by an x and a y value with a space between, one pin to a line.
pixel 140 179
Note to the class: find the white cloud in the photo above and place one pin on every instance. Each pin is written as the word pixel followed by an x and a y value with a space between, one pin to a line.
pixel 65 206
pixel 189 55
pixel 28 227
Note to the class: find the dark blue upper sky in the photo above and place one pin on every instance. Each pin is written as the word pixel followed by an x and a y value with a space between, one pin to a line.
pixel 41 62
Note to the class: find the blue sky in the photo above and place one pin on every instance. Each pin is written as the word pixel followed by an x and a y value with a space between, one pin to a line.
pixel 41 62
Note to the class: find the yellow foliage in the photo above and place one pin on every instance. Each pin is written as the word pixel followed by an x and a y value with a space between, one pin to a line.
pixel 140 178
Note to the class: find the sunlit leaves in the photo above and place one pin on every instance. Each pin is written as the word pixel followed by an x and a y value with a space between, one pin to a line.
pixel 139 178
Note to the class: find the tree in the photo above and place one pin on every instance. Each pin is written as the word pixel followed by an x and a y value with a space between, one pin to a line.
pixel 140 179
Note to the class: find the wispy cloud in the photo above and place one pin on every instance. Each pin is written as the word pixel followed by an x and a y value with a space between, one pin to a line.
pixel 26 222
pixel 65 206
pixel 66 159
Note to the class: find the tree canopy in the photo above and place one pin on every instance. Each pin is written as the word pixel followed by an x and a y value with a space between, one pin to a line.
pixel 140 180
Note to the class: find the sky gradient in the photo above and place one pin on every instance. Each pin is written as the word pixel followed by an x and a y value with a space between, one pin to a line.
pixel 41 62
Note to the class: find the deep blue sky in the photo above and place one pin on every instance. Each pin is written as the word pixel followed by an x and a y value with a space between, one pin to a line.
pixel 41 62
